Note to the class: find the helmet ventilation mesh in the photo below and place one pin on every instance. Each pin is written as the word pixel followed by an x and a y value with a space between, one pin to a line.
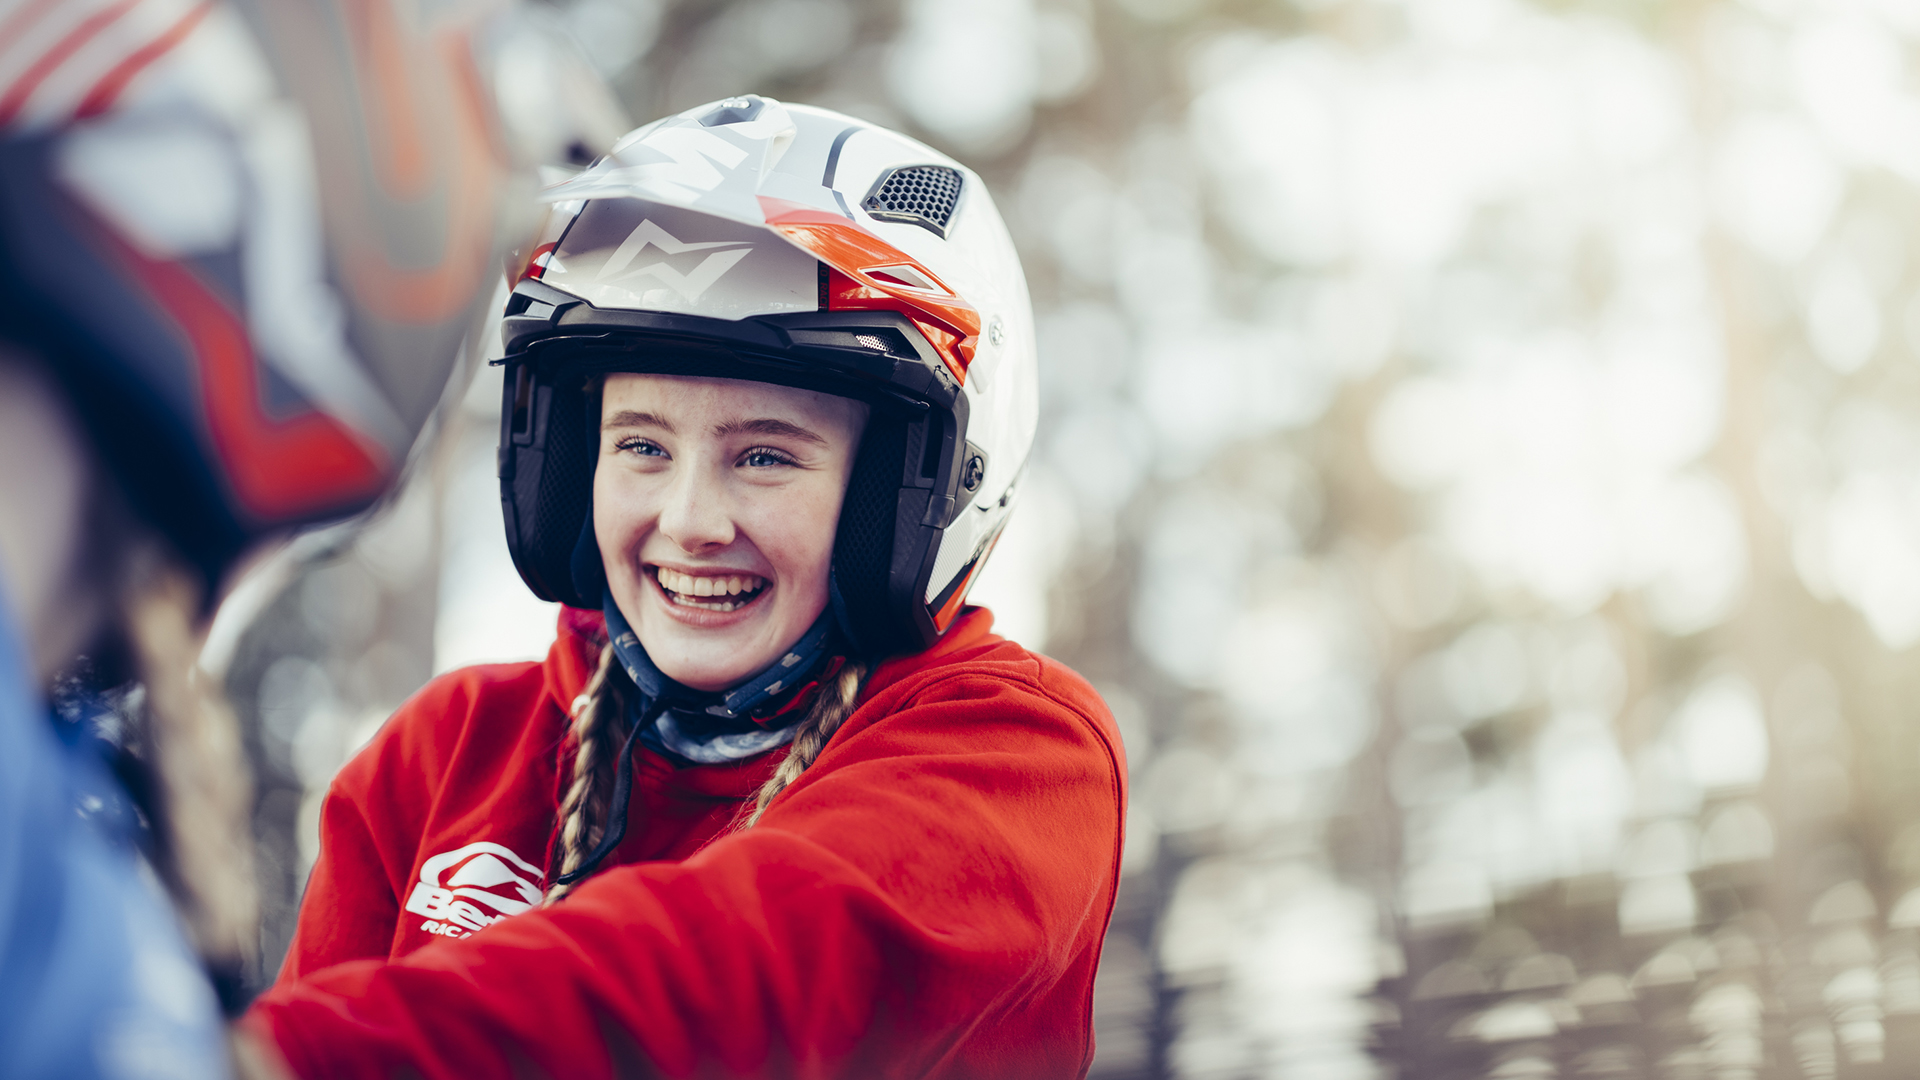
pixel 927 192
pixel 566 482
pixel 863 546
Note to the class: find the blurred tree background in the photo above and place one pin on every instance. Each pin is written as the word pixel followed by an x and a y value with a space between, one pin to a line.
pixel 1479 462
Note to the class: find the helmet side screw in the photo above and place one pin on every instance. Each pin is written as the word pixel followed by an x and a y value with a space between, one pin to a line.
pixel 976 471
pixel 996 332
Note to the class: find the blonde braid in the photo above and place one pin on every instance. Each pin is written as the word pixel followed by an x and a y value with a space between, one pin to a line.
pixel 205 785
pixel 598 710
pixel 829 711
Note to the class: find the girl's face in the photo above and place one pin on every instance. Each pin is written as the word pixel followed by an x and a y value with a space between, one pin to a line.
pixel 715 503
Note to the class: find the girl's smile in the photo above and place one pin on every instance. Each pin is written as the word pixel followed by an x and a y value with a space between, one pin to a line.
pixel 709 592
pixel 705 598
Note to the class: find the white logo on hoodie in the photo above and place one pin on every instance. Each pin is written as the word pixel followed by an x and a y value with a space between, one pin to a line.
pixel 463 890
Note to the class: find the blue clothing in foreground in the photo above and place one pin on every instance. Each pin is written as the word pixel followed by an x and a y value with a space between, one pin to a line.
pixel 95 977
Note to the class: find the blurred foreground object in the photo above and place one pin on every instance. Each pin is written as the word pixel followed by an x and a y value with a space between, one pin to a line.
pixel 1573 352
pixel 240 246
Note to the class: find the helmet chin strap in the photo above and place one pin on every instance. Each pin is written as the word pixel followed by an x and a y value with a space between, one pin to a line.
pixel 584 566
pixel 837 607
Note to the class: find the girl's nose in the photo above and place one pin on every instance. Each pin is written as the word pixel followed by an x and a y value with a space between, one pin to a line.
pixel 695 515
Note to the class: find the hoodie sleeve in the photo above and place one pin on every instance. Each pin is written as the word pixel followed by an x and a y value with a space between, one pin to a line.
pixel 350 906
pixel 950 859
pixel 375 808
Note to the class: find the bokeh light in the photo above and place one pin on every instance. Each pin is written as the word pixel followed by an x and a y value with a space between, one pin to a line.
pixel 1479 462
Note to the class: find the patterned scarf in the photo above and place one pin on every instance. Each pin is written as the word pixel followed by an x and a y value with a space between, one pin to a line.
pixel 711 728
pixel 706 728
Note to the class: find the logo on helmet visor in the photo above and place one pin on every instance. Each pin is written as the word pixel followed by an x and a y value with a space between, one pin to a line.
pixel 633 255
pixel 689 284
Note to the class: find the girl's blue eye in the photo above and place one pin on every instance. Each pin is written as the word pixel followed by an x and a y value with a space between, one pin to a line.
pixel 643 447
pixel 761 459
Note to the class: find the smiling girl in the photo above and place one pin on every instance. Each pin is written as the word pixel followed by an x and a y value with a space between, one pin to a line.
pixel 777 802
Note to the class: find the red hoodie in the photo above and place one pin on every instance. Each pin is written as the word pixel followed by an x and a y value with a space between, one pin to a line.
pixel 928 900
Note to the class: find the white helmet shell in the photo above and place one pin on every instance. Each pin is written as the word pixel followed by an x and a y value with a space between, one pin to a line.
pixel 771 233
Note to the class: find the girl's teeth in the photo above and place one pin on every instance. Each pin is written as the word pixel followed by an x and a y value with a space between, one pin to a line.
pixel 688 586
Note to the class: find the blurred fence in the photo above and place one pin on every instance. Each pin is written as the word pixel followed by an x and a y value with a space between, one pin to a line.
pixel 1480 463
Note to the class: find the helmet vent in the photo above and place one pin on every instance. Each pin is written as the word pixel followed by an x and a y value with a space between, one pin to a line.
pixel 923 195
pixel 738 110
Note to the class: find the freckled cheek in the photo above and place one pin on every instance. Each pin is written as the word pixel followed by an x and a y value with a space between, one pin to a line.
pixel 797 536
pixel 620 514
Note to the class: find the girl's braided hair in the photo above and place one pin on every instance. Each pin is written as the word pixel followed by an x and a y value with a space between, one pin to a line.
pixel 829 710
pixel 204 845
pixel 599 729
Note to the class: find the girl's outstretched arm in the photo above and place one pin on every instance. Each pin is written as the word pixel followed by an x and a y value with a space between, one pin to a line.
pixel 927 900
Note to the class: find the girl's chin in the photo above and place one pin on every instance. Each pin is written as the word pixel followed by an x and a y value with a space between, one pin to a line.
pixel 706 653
pixel 702 668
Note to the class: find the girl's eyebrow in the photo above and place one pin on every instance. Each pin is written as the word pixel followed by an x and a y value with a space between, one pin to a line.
pixel 764 425
pixel 630 418
pixel 767 426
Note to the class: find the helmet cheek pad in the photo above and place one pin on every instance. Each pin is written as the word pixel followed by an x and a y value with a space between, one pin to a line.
pixel 907 483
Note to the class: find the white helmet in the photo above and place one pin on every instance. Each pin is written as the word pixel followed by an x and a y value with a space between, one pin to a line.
pixel 754 240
